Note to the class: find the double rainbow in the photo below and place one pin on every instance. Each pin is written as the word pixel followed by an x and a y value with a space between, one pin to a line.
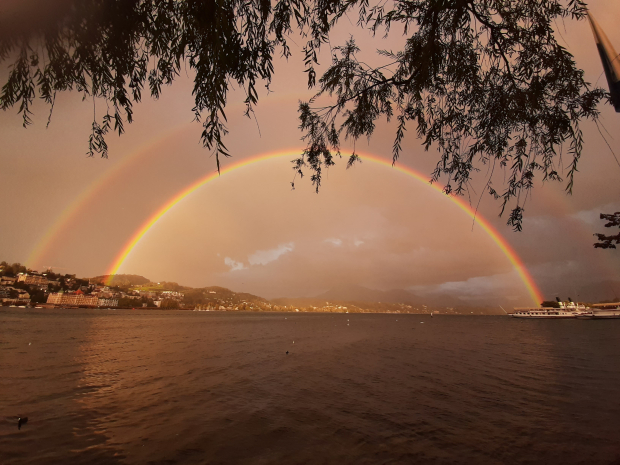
pixel 508 251
pixel 71 211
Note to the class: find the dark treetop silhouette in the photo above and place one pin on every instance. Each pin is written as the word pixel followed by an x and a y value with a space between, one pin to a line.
pixel 484 81
pixel 609 241
pixel 611 67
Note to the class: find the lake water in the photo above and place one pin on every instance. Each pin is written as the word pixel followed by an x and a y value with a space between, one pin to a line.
pixel 196 387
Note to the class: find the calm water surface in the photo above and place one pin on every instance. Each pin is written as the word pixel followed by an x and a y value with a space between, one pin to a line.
pixel 197 387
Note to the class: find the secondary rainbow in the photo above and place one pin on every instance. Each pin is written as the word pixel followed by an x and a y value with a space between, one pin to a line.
pixel 505 247
pixel 71 211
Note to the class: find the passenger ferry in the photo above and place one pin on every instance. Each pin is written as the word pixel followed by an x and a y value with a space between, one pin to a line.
pixel 566 310
pixel 609 311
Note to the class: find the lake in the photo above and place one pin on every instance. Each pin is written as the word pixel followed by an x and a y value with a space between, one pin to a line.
pixel 105 386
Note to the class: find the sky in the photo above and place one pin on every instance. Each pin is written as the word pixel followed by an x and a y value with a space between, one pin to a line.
pixel 249 231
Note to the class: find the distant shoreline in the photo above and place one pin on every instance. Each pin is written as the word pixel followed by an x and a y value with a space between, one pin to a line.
pixel 248 311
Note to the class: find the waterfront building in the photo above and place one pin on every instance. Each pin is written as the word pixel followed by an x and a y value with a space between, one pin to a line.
pixel 77 299
pixel 15 301
pixel 108 302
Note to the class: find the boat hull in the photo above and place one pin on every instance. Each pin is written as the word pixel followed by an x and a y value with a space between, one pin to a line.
pixel 601 315
pixel 545 317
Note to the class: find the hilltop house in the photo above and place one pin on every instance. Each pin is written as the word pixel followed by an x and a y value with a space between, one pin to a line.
pixel 32 279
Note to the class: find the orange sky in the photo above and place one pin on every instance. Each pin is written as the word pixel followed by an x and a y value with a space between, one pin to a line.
pixel 369 226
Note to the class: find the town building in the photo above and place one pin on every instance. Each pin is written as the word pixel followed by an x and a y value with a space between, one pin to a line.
pixel 108 302
pixel 32 279
pixel 15 301
pixel 76 299
pixel 129 296
pixel 7 280
pixel 172 295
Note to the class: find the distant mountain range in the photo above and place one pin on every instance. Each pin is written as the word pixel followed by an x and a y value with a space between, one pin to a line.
pixel 363 294
pixel 355 293
pixel 359 296
pixel 342 294
pixel 351 296
pixel 602 291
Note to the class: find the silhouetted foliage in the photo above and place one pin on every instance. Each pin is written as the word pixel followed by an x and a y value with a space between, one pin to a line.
pixel 169 303
pixel 38 297
pixel 550 303
pixel 49 274
pixel 485 82
pixel 128 302
pixel 13 270
pixel 194 296
pixel 605 241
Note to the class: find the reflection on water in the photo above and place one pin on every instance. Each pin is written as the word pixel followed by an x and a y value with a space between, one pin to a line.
pixel 194 387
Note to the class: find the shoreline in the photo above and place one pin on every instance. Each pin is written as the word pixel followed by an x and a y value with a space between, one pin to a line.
pixel 288 312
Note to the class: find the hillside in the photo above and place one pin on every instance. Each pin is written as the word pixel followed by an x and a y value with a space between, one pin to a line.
pixel 364 294
pixel 607 291
pixel 354 293
pixel 320 305
pixel 352 299
pixel 121 280
pixel 214 297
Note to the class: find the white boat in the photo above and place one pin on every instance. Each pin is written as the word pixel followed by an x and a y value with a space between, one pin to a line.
pixel 565 310
pixel 610 311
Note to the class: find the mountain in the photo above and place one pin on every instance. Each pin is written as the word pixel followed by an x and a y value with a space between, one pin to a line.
pixel 121 280
pixel 355 293
pixel 215 296
pixel 602 291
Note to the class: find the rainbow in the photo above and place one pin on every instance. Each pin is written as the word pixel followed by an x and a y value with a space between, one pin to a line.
pixel 505 247
pixel 71 210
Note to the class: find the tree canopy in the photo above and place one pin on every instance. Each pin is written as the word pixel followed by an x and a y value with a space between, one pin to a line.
pixel 6 269
pixel 609 241
pixel 484 82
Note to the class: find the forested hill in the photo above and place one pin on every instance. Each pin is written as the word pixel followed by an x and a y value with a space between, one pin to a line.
pixel 121 280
